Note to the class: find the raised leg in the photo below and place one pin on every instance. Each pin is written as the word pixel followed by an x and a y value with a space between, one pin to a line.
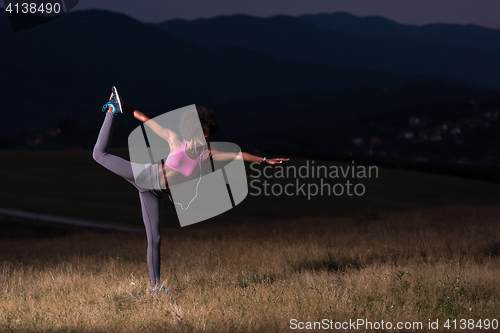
pixel 115 164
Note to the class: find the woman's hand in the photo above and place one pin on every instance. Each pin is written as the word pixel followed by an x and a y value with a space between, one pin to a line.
pixel 276 160
pixel 247 157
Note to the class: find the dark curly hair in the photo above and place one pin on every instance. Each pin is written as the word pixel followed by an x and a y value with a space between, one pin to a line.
pixel 208 120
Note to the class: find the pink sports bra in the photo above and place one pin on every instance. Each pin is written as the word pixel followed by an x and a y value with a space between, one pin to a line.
pixel 182 163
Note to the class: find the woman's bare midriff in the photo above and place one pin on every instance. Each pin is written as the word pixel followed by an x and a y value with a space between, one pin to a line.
pixel 169 174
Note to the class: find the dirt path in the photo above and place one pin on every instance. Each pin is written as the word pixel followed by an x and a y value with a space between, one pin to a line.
pixel 31 222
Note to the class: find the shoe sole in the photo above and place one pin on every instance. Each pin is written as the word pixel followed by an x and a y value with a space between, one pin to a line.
pixel 118 100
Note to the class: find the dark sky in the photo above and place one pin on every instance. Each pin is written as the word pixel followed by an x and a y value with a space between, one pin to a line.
pixel 480 12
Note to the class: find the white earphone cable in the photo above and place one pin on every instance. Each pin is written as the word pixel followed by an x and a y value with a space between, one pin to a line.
pixel 199 180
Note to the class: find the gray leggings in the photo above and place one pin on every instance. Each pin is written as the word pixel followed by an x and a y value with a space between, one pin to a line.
pixel 151 200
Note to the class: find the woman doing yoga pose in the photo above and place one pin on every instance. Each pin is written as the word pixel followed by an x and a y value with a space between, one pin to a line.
pixel 182 163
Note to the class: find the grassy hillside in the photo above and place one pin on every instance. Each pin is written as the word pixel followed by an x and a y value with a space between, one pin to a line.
pixel 415 247
pixel 72 184
pixel 408 267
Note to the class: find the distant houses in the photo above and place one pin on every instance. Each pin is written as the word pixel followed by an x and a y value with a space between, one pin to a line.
pixel 407 135
pixel 418 130
pixel 357 141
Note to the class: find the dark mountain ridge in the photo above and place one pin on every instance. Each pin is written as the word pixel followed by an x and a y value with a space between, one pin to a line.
pixel 471 35
pixel 67 66
pixel 298 39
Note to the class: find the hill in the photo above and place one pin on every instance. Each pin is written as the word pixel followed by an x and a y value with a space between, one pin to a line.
pixel 297 39
pixel 67 66
pixel 469 35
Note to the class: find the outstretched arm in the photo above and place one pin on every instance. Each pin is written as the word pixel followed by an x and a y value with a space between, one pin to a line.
pixel 168 135
pixel 225 156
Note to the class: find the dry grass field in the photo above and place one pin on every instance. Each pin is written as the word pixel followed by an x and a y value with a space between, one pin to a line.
pixel 257 276
pixel 416 247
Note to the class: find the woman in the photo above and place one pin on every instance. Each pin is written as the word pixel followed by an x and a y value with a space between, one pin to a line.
pixel 182 150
